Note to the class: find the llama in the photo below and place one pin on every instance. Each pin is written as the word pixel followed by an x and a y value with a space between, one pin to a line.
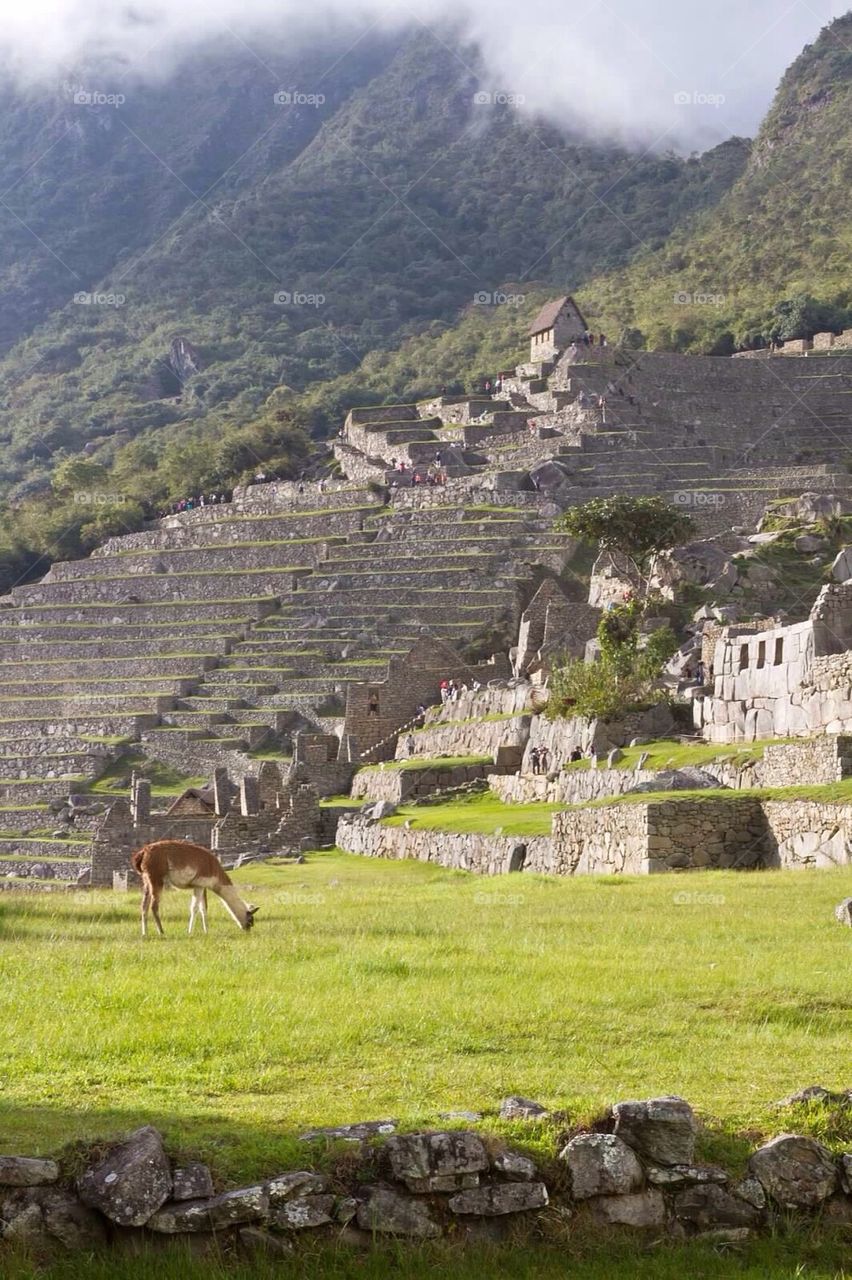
pixel 186 866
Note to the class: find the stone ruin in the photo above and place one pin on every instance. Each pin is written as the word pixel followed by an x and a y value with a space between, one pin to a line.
pixel 636 1169
pixel 311 621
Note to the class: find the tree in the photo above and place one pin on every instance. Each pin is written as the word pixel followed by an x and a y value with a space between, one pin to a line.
pixel 634 531
pixel 624 676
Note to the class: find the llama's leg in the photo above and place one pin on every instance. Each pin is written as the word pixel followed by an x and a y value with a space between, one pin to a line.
pixel 193 907
pixel 156 890
pixel 202 907
pixel 146 902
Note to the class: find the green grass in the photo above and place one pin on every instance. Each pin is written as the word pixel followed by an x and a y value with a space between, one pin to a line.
pixel 811 1256
pixel 165 780
pixel 412 990
pixel 480 812
pixel 421 762
pixel 670 753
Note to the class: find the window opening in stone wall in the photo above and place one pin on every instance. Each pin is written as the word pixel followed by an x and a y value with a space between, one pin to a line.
pixel 779 651
pixel 761 654
pixel 743 657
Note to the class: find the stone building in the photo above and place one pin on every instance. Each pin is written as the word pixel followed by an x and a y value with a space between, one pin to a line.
pixel 558 324
pixel 783 682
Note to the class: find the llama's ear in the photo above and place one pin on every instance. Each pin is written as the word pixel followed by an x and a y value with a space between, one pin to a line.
pixel 252 910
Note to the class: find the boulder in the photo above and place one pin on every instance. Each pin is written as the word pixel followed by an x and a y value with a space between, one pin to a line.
pixel 795 1172
pixel 132 1182
pixel 843 912
pixel 39 1215
pixel 500 1198
pixel 192 1182
pixel 358 1132
pixel 437 1161
pixel 515 1167
pixel 678 1176
pixel 389 1213
pixel 710 1206
pixel 817 1093
pixel 549 476
pixel 231 1208
pixel 642 1209
pixel 290 1186
pixel 689 778
pixel 841 565
pixel 302 1212
pixel 660 1129
pixel 517 1108
pixel 808 543
pixel 846 1173
pixel 25 1171
pixel 808 508
pixel 601 1164
pixel 380 809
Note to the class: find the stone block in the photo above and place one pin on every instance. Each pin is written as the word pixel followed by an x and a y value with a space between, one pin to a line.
pixel 500 1198
pixel 795 1172
pixel 131 1182
pixel 437 1161
pixel 660 1129
pixel 601 1164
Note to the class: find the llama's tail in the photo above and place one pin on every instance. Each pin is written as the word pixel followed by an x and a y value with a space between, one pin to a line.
pixel 136 860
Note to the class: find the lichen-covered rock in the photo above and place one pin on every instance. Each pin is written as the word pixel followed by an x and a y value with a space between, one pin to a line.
pixel 515 1167
pixel 795 1172
pixel 500 1198
pixel 288 1186
pixel 231 1208
pixel 846 1173
pixel 389 1213
pixel 437 1161
pixel 24 1171
pixel 684 1175
pixel 642 1209
pixel 517 1108
pixel 303 1211
pixel 750 1190
pixel 710 1206
pixel 132 1182
pixel 601 1164
pixel 660 1129
pixel 843 912
pixel 192 1182
pixel 37 1215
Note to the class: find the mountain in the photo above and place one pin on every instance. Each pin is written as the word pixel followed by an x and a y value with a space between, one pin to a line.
pixel 771 258
pixel 237 246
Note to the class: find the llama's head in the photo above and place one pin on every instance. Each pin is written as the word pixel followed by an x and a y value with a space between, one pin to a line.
pixel 249 920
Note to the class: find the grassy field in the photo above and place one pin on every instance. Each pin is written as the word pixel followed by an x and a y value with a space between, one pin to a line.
pixel 372 989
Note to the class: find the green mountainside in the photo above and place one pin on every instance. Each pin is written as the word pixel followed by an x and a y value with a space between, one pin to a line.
pixel 771 259
pixel 396 201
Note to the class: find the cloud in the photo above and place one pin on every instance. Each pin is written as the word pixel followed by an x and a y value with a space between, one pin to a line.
pixel 659 72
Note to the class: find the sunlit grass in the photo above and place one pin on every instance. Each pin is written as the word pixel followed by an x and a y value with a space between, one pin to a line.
pixel 371 989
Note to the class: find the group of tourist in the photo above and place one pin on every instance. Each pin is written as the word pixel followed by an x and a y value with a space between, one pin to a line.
pixel 432 475
pixel 540 759
pixel 451 690
pixel 199 500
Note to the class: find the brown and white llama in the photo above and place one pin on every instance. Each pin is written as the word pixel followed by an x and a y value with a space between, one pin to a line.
pixel 186 866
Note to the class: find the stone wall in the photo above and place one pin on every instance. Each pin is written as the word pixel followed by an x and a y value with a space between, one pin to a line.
pixel 636 1171
pixel 562 736
pixel 400 785
pixel 570 786
pixel 466 738
pixel 485 854
pixel 804 834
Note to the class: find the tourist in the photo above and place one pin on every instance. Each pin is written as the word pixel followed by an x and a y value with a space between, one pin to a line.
pixel 603 340
pixel 535 759
pixel 544 760
pixel 445 690
pixel 575 755
pixel 410 744
pixel 488 387
pixel 602 407
pixel 373 704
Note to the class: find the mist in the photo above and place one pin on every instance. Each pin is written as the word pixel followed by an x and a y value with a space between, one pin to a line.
pixel 660 73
